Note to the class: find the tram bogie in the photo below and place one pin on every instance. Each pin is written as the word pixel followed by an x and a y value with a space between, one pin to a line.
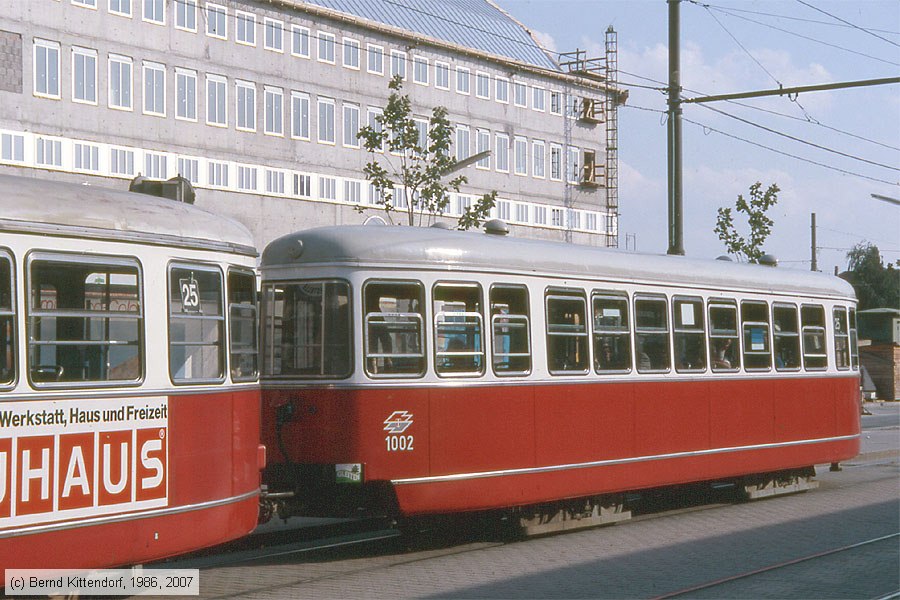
pixel 426 372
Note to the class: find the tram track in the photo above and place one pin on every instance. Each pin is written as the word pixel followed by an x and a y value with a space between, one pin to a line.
pixel 721 583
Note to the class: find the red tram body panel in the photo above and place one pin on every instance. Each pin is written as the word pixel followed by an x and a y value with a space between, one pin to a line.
pixel 483 373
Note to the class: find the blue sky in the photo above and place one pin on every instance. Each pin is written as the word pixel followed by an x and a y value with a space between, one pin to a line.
pixel 732 46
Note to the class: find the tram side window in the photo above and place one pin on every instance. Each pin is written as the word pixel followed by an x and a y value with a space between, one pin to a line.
pixel 243 325
pixel 787 337
pixel 308 329
pixel 510 328
pixel 612 333
pixel 815 357
pixel 567 336
pixel 458 329
pixel 85 320
pixel 723 337
pixel 7 322
pixel 841 339
pixel 854 341
pixel 755 323
pixel 689 335
pixel 651 335
pixel 196 324
pixel 394 331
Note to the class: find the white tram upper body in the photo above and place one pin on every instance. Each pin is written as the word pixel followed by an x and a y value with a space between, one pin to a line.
pixel 129 400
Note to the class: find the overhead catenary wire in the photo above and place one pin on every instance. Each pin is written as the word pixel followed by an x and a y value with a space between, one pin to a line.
pixel 853 25
pixel 793 18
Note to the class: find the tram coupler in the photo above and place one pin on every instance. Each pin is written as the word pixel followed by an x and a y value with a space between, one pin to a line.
pixel 272 503
pixel 836 466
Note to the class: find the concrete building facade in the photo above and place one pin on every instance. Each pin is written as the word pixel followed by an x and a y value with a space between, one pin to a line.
pixel 258 103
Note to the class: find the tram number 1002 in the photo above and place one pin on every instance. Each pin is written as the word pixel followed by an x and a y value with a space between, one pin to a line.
pixel 399 443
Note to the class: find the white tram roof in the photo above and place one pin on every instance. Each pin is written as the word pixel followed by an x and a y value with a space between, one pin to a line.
pixel 29 204
pixel 430 248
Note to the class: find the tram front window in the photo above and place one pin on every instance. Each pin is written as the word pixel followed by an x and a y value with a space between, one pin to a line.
pixel 196 324
pixel 85 321
pixel 308 333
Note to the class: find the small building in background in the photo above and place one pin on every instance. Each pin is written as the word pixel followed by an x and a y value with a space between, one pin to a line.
pixel 879 349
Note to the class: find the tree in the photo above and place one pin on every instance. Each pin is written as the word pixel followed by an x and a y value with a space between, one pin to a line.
pixel 876 286
pixel 418 163
pixel 760 224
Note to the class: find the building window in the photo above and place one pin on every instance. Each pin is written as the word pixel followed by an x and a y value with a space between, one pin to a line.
pixel 218 174
pixel 351 54
pixel 463 148
pixel 274 182
pixel 186 15
pixel 154 89
pixel 326 47
pixel 120 7
pixel 520 94
pixel 483 143
pixel 555 162
pixel 521 151
pixel 46 68
pixel 189 168
pixel 274 111
pixel 502 90
pixel 274 35
pixel 539 97
pixel 398 64
pixel 556 217
pixel 121 162
pixel 87 157
pixel 502 152
pixel 555 103
pixel 502 210
pixel 351 125
pixel 302 185
pixel 572 166
pixel 372 120
pixel 375 59
pixel 420 70
pixel 84 73
pixel 441 75
pixel 352 192
pixel 326 121
pixel 540 215
pixel 245 98
pixel 155 165
pixel 245 29
pixel 422 131
pixel 300 115
pixel 216 96
pixel 521 212
pixel 328 188
pixel 463 80
pixel 12 147
pixel 590 221
pixel 246 178
pixel 216 21
pixel 300 41
pixel 185 95
pixel 483 85
pixel 119 82
pixel 538 159
pixel 155 11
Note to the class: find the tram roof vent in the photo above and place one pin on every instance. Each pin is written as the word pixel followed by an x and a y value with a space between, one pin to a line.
pixel 177 188
pixel 725 258
pixel 442 225
pixel 496 227
pixel 769 260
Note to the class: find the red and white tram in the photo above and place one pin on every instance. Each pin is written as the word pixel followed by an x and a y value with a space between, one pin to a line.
pixel 129 393
pixel 415 371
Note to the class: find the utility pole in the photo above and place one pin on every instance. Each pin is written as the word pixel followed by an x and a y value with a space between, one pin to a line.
pixel 814 265
pixel 676 222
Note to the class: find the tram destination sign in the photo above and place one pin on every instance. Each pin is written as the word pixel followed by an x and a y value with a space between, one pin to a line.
pixel 64 460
